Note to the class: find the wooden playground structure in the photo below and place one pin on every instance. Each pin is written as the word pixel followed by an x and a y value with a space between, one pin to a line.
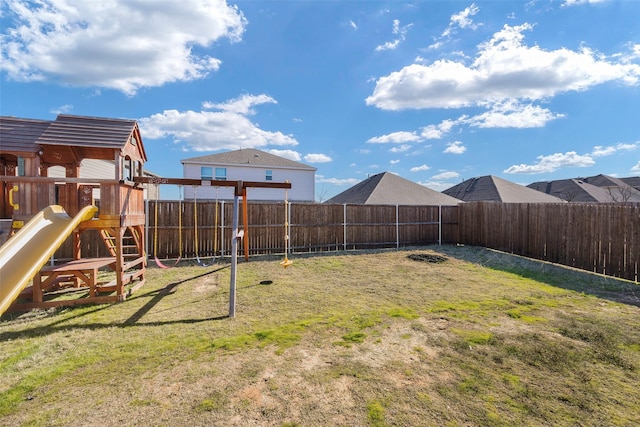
pixel 30 149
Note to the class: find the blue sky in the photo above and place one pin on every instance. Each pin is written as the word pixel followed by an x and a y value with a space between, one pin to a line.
pixel 434 91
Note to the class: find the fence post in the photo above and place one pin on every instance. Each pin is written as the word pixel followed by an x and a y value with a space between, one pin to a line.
pixel 344 226
pixel 397 228
pixel 146 226
pixel 440 225
pixel 288 246
pixel 221 228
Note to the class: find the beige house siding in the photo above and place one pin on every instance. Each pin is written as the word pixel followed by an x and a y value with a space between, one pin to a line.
pixel 101 169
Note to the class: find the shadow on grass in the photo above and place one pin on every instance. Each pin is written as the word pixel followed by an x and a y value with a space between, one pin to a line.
pixel 160 294
pixel 132 321
pixel 559 276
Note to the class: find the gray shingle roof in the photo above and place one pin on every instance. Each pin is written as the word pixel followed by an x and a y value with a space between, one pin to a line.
pixel 573 190
pixel 248 156
pixel 633 181
pixel 389 189
pixel 595 189
pixel 618 189
pixel 493 189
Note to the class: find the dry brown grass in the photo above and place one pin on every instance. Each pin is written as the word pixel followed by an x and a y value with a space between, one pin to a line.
pixel 354 339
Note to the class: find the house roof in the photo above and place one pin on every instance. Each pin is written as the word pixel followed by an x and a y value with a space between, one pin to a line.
pixel 493 189
pixel 248 156
pixel 389 189
pixel 595 189
pixel 573 190
pixel 618 189
pixel 633 181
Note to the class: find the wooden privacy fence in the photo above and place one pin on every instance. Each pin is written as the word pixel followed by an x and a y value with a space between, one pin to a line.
pixel 603 238
pixel 313 227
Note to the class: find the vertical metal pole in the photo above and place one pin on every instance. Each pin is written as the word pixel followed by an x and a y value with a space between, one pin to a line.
pixel 288 228
pixel 439 224
pixel 397 228
pixel 245 219
pixel 146 224
pixel 221 226
pixel 344 227
pixel 234 257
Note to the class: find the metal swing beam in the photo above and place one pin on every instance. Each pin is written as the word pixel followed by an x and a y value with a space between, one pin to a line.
pixel 240 190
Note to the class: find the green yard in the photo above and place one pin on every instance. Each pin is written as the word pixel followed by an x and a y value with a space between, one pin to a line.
pixel 470 337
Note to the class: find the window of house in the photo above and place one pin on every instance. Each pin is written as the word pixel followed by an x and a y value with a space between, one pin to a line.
pixel 268 175
pixel 206 172
pixel 221 174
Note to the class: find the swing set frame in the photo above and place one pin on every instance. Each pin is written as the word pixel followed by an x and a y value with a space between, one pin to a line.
pixel 240 190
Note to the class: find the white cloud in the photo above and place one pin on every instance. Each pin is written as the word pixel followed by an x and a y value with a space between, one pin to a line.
pixel 577 2
pixel 117 44
pixel 504 69
pixel 553 162
pixel 400 149
pixel 557 161
pixel 445 175
pixel 439 130
pixel 600 151
pixel 241 105
pixel 442 181
pixel 636 168
pixel 512 114
pixel 388 45
pixel 66 108
pixel 337 181
pixel 399 31
pixel 317 158
pixel 395 137
pixel 213 130
pixel 436 185
pixel 394 162
pixel 455 147
pixel 462 20
pixel 420 168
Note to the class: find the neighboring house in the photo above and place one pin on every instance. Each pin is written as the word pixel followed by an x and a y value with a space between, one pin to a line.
pixel 633 181
pixel 572 190
pixel 493 189
pixel 577 190
pixel 618 189
pixel 104 169
pixel 249 164
pixel 389 189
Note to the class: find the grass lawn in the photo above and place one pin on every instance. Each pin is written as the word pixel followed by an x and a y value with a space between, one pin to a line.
pixel 433 336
